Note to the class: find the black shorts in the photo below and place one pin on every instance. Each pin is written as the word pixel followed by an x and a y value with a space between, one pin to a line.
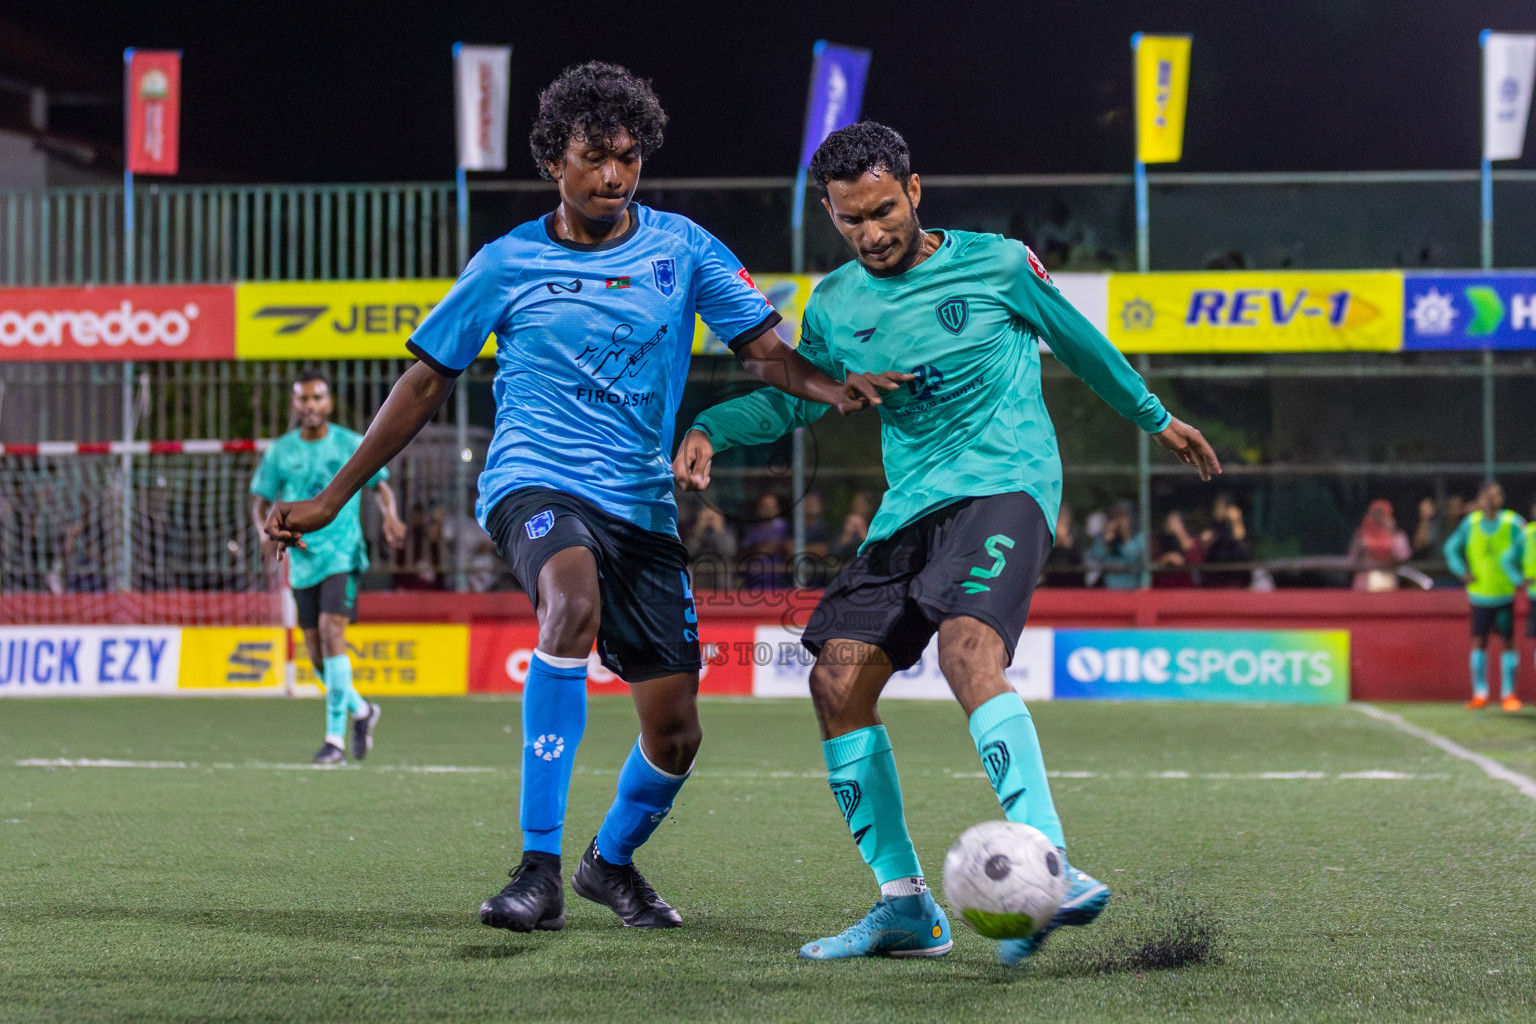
pixel 1497 618
pixel 649 627
pixel 334 595
pixel 978 556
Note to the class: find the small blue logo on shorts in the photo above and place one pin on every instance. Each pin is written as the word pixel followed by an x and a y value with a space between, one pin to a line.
pixel 666 275
pixel 540 524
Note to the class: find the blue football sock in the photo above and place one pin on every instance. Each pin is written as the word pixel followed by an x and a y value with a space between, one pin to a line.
pixel 1010 752
pixel 862 773
pixel 1480 673
pixel 338 697
pixel 554 717
pixel 644 798
pixel 1509 664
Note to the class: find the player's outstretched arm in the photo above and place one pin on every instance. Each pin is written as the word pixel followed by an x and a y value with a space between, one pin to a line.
pixel 413 400
pixel 771 359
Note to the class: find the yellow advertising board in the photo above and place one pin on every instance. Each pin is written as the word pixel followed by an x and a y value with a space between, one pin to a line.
pixel 400 660
pixel 1162 85
pixel 244 658
pixel 788 293
pixel 334 319
pixel 1275 311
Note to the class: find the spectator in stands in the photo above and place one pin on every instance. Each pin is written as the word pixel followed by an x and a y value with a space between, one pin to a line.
pixel 861 509
pixel 712 551
pixel 766 546
pixel 1426 534
pixel 1178 552
pixel 1378 548
pixel 817 567
pixel 1119 553
pixel 1226 543
pixel 1064 565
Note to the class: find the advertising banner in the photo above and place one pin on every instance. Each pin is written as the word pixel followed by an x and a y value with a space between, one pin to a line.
pixel 480 76
pixel 1509 66
pixel 1278 666
pixel 1162 86
pixel 499 655
pixel 153 89
pixel 1279 311
pixel 783 668
pixel 334 319
pixel 88 661
pixel 837 93
pixel 1469 311
pixel 787 293
pixel 247 659
pixel 143 322
pixel 399 660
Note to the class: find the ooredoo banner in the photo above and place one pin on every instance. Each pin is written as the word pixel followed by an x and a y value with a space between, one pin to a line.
pixel 110 322
pixel 500 654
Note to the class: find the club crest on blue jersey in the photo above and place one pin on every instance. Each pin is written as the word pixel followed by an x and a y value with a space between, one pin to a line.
pixel 540 524
pixel 953 313
pixel 666 275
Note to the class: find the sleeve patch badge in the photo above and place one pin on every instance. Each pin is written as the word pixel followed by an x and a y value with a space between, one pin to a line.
pixel 1038 267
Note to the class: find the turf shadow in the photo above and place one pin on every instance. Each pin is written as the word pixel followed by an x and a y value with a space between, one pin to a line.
pixel 1182 937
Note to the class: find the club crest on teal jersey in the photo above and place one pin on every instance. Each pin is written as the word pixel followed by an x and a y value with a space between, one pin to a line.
pixel 666 275
pixel 953 314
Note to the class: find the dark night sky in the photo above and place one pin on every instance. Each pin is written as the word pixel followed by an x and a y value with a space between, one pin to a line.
pixel 361 91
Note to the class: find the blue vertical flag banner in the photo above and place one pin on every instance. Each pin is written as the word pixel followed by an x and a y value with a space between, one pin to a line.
pixel 837 93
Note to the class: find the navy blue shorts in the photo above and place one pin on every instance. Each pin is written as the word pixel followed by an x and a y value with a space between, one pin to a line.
pixel 649 627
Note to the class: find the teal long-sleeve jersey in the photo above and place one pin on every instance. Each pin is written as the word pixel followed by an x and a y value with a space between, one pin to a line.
pixel 967 323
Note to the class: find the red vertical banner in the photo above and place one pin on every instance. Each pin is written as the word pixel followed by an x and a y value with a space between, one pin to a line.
pixel 154 111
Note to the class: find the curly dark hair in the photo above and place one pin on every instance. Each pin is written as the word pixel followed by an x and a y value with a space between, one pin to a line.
pixel 849 153
pixel 593 101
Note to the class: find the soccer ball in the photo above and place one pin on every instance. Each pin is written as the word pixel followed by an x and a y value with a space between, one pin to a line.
pixel 1004 879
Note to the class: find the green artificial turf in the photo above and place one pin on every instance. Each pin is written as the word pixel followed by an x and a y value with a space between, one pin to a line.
pixel 237 889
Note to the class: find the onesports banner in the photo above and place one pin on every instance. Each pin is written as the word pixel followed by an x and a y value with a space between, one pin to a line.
pixel 1162 86
pixel 1299 311
pixel 1469 311
pixel 1278 666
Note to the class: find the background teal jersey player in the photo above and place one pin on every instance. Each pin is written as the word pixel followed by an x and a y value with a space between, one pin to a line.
pixel 593 309
pixel 962 533
pixel 324 572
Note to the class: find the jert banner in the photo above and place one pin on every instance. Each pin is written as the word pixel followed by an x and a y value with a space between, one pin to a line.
pixel 334 319
pixel 117 322
pixel 1278 311
pixel 837 93
pixel 1290 666
pixel 1509 67
pixel 1162 86
pixel 1469 311
pixel 480 82
pixel 152 88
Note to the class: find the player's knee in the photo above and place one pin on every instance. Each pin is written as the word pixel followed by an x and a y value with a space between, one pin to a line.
pixel 834 696
pixel 333 636
pixel 672 745
pixel 569 624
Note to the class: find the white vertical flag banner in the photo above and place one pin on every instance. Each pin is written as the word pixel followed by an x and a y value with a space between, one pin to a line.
pixel 1509 68
pixel 480 85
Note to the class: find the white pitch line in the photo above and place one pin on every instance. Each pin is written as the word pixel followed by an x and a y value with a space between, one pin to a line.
pixel 1492 768
pixel 89 762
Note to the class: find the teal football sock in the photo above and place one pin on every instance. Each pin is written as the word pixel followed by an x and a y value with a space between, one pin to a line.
pixel 357 707
pixel 1010 752
pixel 862 773
pixel 1509 664
pixel 338 697
pixel 1480 673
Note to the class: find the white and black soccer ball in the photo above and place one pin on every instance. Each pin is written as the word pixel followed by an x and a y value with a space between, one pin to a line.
pixel 1004 879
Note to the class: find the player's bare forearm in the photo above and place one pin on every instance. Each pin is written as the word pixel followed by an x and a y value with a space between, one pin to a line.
pixel 414 399
pixel 259 509
pixel 771 360
pixel 394 527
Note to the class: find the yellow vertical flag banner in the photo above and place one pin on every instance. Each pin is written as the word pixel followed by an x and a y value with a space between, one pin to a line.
pixel 1162 86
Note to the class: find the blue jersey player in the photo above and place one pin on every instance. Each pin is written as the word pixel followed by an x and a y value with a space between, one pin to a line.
pixel 593 308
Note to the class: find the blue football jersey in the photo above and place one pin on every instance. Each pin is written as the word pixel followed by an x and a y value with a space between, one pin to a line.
pixel 592 348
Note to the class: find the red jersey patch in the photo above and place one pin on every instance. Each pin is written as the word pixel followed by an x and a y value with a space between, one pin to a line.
pixel 742 273
pixel 1037 266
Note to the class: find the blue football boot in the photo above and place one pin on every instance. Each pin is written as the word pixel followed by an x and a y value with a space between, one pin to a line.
pixel 1085 900
pixel 899 926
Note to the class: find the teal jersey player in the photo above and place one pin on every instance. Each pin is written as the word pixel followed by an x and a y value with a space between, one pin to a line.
pixel 963 532
pixel 324 572
pixel 294 469
pixel 967 324
pixel 1478 553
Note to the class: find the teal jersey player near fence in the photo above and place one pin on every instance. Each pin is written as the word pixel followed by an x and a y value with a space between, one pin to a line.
pixel 967 324
pixel 324 572
pixel 1478 553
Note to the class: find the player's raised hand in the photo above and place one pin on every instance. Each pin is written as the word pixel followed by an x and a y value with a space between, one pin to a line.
pixel 862 390
pixel 691 466
pixel 1190 446
pixel 289 521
